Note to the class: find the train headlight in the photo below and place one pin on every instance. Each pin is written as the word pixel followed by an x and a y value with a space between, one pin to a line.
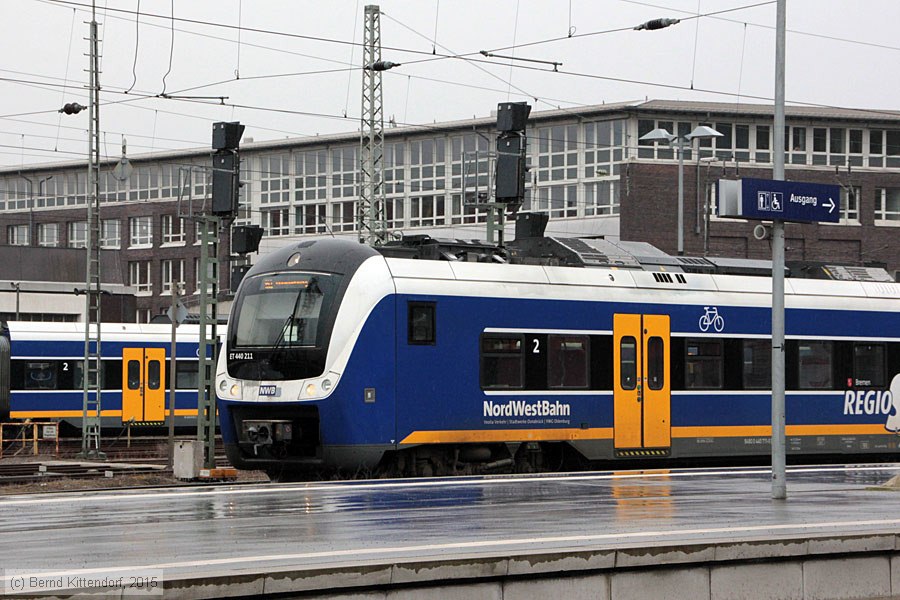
pixel 326 385
pixel 310 389
pixel 230 389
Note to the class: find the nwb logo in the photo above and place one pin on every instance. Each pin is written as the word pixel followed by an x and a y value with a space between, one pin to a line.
pixel 769 201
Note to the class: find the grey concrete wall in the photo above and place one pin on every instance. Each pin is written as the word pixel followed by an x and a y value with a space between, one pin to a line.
pixel 836 568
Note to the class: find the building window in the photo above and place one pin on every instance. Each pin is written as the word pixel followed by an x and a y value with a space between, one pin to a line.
pixel 887 206
pixel 311 191
pixel 343 216
pixel 211 266
pixel 275 179
pixel 344 169
pixel 426 211
pixel 48 235
pixel 110 233
pixel 276 221
pixel 855 141
pixel 560 201
pixel 144 184
pixel 144 315
pixel 557 156
pixel 469 176
pixel 725 142
pixel 427 168
pixel 601 198
pixel 763 144
pixel 77 234
pixel 604 148
pixel 172 229
pixel 172 274
pixel 139 277
pixel 111 189
pixel 140 232
pixel 17 235
pixel 850 205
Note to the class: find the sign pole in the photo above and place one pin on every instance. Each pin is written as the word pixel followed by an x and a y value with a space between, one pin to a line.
pixel 779 485
pixel 174 320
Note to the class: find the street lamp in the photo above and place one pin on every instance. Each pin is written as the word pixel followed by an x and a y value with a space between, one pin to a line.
pixel 659 134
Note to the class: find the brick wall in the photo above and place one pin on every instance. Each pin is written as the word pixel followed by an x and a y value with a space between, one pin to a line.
pixel 649 214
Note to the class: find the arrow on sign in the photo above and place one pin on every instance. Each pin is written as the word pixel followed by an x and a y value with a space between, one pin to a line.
pixel 829 205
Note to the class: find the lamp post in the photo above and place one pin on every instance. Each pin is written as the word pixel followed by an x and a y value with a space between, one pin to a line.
pixel 659 134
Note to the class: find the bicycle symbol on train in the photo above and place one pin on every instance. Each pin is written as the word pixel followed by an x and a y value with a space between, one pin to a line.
pixel 712 318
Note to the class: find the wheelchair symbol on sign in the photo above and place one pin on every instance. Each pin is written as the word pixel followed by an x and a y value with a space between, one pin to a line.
pixel 769 201
pixel 776 201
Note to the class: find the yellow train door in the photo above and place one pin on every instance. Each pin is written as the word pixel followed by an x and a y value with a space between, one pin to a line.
pixel 641 384
pixel 143 385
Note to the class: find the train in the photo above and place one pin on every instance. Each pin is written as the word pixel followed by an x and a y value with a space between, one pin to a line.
pixel 41 367
pixel 430 357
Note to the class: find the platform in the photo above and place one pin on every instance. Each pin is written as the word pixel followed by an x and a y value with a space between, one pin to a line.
pixel 581 534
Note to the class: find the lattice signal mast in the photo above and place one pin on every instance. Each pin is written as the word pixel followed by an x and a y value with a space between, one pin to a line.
pixel 370 213
pixel 91 405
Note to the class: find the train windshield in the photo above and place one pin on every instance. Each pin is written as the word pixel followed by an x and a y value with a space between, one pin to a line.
pixel 283 310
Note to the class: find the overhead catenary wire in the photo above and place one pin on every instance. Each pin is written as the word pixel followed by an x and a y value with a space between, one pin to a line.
pixel 645 83
pixel 171 49
pixel 66 80
pixel 137 38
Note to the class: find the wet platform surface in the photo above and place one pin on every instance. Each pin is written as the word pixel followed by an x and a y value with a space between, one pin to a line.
pixel 263 527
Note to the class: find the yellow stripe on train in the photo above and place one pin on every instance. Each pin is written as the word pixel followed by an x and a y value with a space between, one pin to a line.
pixel 507 435
pixel 465 436
pixel 69 414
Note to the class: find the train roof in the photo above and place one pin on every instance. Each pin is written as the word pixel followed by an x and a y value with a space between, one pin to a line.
pixel 37 330
pixel 621 278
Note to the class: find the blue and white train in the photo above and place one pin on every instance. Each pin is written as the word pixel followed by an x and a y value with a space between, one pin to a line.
pixel 338 355
pixel 41 368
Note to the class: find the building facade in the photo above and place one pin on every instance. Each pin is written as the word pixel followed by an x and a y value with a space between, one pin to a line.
pixel 588 171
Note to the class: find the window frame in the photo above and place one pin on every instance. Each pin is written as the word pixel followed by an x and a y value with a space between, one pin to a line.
pixel 487 355
pixel 555 352
pixel 704 359
pixel 427 307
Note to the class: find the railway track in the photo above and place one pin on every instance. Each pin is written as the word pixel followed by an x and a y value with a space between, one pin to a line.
pixel 134 457
pixel 142 448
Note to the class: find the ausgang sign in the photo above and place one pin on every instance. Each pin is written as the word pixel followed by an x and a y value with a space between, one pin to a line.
pixel 769 200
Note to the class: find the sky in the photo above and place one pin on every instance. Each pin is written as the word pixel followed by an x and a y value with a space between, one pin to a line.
pixel 292 68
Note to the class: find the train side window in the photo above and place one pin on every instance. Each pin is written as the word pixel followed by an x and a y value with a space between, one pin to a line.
pixel 501 362
pixel 656 368
pixel 154 371
pixel 567 361
pixel 868 365
pixel 40 376
pixel 628 359
pixel 703 364
pixel 78 376
pixel 421 323
pixel 815 364
pixel 134 374
pixel 757 364
pixel 187 375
